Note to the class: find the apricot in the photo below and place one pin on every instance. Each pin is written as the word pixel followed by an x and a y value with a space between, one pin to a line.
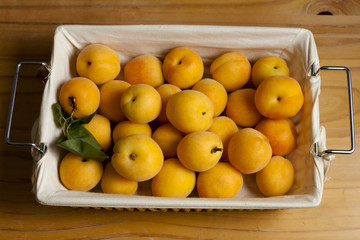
pixel 78 173
pixel 279 97
pixel 190 111
pixel 199 151
pixel 268 66
pixel 110 96
pixel 216 93
pixel 183 67
pixel 165 91
pixel 276 178
pixel 79 96
pixel 241 108
pixel 145 69
pixel 141 103
pixel 232 70
pixel 281 134
pixel 221 181
pixel 98 62
pixel 173 180
pixel 249 150
pixel 127 128
pixel 137 157
pixel 112 182
pixel 100 128
pixel 168 137
pixel 225 128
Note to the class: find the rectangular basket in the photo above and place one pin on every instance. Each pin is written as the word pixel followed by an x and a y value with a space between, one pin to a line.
pixel 295 45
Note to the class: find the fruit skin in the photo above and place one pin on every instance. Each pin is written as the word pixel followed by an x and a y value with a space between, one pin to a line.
pixel 281 134
pixel 98 62
pixel 165 91
pixel 145 69
pixel 232 70
pixel 276 178
pixel 183 67
pixel 268 66
pixel 199 151
pixel 216 93
pixel 249 150
pixel 112 182
pixel 137 157
pixel 190 111
pixel 221 181
pixel 86 94
pixel 110 96
pixel 173 180
pixel 127 128
pixel 78 173
pixel 168 137
pixel 141 103
pixel 241 108
pixel 100 128
pixel 279 97
pixel 225 128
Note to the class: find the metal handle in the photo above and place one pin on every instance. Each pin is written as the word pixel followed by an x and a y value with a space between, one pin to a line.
pixel 40 147
pixel 352 131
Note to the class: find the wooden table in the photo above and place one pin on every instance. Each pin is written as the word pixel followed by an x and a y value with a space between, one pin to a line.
pixel 26 33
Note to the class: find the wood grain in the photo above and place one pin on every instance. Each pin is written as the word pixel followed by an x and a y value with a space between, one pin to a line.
pixel 26 33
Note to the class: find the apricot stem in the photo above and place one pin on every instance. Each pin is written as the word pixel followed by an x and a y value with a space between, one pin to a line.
pixel 216 149
pixel 132 156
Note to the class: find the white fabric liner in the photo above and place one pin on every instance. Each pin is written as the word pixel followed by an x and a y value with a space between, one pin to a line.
pixel 295 45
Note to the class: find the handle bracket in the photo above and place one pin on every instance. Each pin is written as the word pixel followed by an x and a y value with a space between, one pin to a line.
pixel 39 147
pixel 351 112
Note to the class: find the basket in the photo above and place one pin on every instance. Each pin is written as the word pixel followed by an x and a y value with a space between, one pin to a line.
pixel 297 46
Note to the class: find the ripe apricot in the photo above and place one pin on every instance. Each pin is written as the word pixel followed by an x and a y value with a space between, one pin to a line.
pixel 173 180
pixel 276 178
pixel 110 95
pixel 80 96
pixel 165 91
pixel 249 150
pixel 100 128
pixel 127 128
pixel 168 137
pixel 241 108
pixel 221 181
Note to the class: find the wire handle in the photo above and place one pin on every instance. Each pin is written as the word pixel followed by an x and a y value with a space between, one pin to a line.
pixel 39 147
pixel 351 112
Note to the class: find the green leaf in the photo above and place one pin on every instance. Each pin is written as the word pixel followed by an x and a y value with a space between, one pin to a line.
pixel 77 138
pixel 58 114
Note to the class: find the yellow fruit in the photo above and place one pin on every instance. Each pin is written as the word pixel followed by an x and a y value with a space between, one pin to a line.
pixel 110 95
pixel 281 134
pixel 127 128
pixel 137 157
pixel 249 150
pixel 232 70
pixel 81 93
pixel 100 128
pixel 279 97
pixel 221 181
pixel 78 173
pixel 199 151
pixel 98 62
pixel 112 182
pixel 190 111
pixel 241 108
pixel 276 178
pixel 216 93
pixel 145 69
pixel 165 91
pixel 173 180
pixel 268 66
pixel 183 67
pixel 168 137
pixel 141 103
pixel 225 128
